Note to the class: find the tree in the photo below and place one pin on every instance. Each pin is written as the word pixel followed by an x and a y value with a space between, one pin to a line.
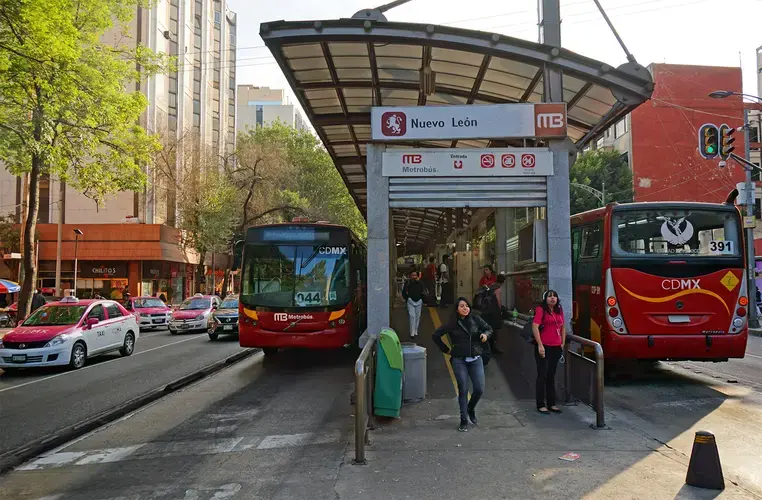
pixel 64 109
pixel 204 195
pixel 594 168
pixel 9 234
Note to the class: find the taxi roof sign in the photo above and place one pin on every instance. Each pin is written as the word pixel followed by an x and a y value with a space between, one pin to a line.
pixel 69 299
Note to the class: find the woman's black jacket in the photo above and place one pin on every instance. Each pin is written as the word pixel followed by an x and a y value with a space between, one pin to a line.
pixel 464 336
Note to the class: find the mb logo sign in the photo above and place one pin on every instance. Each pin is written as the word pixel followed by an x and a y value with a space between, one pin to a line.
pixel 412 159
pixel 550 120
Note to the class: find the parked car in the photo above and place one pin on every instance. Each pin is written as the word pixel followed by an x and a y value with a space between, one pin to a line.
pixel 68 332
pixel 13 309
pixel 193 314
pixel 225 318
pixel 151 312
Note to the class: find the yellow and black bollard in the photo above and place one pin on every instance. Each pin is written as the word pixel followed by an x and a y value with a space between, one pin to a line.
pixel 704 469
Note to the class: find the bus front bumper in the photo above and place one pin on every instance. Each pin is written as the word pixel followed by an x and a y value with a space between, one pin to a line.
pixel 329 338
pixel 676 347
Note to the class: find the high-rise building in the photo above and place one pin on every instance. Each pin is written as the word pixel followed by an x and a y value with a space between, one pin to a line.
pixel 258 106
pixel 196 100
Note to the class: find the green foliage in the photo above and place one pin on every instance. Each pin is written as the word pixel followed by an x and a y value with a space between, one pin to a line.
pixel 594 168
pixel 302 178
pixel 63 101
pixel 10 234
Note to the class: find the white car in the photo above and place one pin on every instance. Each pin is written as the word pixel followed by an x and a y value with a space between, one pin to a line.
pixel 67 333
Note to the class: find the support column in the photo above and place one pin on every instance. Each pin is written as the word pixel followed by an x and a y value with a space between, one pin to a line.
pixel 504 229
pixel 559 232
pixel 379 243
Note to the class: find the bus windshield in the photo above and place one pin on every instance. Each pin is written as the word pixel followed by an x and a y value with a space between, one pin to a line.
pixel 295 275
pixel 700 233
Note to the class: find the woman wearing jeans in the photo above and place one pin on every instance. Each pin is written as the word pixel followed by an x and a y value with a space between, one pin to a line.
pixel 549 332
pixel 467 333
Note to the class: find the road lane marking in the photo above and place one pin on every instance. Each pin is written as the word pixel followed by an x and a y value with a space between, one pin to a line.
pixel 168 449
pixel 98 364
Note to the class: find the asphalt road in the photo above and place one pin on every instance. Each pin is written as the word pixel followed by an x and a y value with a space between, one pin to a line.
pixel 274 429
pixel 671 401
pixel 37 403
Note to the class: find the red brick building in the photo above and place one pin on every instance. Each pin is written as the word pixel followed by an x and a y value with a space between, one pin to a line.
pixel 661 136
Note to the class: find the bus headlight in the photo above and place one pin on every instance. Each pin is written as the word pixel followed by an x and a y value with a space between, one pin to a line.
pixel 617 322
pixel 738 322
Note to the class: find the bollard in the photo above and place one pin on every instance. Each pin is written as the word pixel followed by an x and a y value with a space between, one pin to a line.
pixel 704 469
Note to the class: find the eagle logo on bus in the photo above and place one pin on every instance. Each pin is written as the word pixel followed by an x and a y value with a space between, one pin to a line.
pixel 676 231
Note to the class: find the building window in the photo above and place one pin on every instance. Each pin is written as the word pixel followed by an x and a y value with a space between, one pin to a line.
pixel 43 214
pixel 619 129
pixel 754 134
pixel 260 115
pixel 217 17
pixel 756 174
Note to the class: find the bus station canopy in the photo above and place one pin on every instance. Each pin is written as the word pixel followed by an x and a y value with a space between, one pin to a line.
pixel 339 69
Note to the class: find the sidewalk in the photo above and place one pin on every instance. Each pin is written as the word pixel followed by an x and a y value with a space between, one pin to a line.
pixel 514 452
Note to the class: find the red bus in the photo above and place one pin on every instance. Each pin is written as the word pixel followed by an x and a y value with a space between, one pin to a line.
pixel 661 281
pixel 303 285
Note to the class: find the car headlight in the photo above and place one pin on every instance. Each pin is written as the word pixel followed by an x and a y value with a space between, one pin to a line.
pixel 57 340
pixel 1 343
pixel 199 317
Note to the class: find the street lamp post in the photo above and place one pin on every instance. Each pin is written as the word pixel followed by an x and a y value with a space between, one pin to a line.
pixel 750 258
pixel 77 234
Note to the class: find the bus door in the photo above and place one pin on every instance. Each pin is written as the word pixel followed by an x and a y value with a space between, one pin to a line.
pixel 587 283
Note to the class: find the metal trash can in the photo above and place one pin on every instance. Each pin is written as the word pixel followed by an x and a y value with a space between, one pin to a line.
pixel 414 381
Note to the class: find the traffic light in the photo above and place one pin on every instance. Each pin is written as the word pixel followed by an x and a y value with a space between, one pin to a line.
pixel 726 141
pixel 709 141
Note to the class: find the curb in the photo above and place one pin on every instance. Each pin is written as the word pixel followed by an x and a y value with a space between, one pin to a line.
pixel 18 456
pixel 755 332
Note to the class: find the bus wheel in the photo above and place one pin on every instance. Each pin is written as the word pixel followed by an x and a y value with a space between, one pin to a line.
pixel 270 351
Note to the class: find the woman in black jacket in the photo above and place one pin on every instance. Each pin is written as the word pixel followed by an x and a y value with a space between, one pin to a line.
pixel 467 333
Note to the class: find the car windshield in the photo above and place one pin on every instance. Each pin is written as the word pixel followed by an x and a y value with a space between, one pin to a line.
pixel 55 316
pixel 229 304
pixel 143 303
pixel 696 233
pixel 196 303
pixel 296 275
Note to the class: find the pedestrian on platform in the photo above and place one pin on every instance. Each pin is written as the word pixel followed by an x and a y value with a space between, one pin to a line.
pixel 444 278
pixel 430 281
pixel 467 333
pixel 549 331
pixel 414 293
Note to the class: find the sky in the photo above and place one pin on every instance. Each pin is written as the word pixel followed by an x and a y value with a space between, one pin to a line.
pixel 702 32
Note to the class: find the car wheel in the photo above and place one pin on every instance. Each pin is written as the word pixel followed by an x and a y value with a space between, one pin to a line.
pixel 78 356
pixel 213 336
pixel 270 351
pixel 129 345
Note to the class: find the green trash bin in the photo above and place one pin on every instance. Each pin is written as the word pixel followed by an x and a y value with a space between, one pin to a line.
pixel 387 396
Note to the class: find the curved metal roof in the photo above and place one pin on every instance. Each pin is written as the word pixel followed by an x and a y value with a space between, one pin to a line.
pixel 339 69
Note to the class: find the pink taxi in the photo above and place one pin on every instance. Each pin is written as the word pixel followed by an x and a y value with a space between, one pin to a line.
pixel 151 312
pixel 67 333
pixel 194 314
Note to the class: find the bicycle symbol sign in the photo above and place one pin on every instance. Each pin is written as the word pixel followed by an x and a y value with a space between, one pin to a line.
pixel 527 160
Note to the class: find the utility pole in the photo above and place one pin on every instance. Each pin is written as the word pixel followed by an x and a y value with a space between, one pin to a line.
pixel 750 260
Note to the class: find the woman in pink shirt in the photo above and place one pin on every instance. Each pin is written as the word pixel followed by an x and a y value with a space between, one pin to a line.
pixel 549 331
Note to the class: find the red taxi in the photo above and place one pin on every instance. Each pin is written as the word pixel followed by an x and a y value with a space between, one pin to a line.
pixel 67 333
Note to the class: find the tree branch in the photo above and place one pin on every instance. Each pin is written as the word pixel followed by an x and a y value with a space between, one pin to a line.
pixel 276 209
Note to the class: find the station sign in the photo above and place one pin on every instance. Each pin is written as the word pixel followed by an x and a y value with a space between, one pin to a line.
pixel 455 162
pixel 489 121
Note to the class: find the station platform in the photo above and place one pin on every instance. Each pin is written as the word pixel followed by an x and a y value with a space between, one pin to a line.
pixel 515 451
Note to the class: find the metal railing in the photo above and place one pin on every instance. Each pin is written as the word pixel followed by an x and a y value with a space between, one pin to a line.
pixel 597 403
pixel 365 375
pixel 600 419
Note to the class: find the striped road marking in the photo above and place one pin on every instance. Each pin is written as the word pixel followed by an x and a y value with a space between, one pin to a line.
pixel 166 449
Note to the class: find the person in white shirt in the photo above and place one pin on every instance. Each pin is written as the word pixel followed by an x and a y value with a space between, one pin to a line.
pixel 444 277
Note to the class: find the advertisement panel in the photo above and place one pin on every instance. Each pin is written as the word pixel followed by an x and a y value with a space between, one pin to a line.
pixel 496 162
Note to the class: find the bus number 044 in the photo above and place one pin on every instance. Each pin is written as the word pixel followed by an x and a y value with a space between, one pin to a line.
pixel 308 298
